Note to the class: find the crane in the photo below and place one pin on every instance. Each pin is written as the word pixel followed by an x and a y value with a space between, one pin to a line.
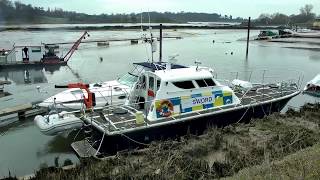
pixel 75 46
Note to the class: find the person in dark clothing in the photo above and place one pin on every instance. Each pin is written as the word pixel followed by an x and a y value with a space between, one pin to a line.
pixel 25 50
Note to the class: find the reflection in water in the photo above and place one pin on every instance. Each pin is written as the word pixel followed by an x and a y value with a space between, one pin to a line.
pixel 314 57
pixel 28 75
pixel 27 79
pixel 59 144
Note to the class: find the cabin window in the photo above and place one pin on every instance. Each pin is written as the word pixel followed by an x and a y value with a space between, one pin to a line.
pixel 201 83
pixel 158 84
pixel 184 84
pixel 142 82
pixel 205 82
pixel 210 82
pixel 151 82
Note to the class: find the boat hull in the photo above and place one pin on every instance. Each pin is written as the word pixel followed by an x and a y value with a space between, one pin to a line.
pixel 196 126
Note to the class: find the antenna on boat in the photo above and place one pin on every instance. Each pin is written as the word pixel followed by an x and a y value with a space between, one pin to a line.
pixel 197 63
pixel 153 41
pixel 172 60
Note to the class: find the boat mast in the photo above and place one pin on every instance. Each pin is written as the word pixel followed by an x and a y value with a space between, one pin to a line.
pixel 152 45
pixel 151 37
pixel 160 48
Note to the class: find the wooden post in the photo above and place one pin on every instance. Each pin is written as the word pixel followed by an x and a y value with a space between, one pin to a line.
pixel 160 49
pixel 21 115
pixel 248 37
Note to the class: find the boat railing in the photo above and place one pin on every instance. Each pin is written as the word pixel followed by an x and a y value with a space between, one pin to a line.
pixel 262 76
pixel 107 94
pixel 135 106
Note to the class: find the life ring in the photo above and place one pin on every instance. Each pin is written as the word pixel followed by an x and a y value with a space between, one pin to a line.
pixel 165 108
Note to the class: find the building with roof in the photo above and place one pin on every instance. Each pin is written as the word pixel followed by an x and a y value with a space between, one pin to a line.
pixel 316 24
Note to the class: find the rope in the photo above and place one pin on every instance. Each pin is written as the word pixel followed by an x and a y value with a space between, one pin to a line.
pixel 134 140
pixel 100 143
pixel 244 114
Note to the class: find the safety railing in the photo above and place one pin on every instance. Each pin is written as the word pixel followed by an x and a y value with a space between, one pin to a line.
pixel 262 76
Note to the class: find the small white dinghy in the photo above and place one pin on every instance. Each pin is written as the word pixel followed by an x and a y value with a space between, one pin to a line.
pixel 55 123
pixel 313 87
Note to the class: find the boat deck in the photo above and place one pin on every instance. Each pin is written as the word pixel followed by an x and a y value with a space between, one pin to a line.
pixel 84 149
pixel 117 119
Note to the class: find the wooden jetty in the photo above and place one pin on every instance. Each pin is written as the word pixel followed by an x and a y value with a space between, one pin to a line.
pixel 297 40
pixel 20 64
pixel 22 111
pixel 2 92
pixel 2 83
pixel 114 40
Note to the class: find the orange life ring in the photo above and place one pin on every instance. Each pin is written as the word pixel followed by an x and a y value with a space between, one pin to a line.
pixel 165 108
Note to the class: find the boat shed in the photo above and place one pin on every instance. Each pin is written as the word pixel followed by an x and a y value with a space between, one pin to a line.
pixel 316 24
pixel 7 56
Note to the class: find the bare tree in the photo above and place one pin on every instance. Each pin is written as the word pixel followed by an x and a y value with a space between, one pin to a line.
pixel 306 10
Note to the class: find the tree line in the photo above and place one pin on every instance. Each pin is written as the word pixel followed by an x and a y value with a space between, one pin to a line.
pixel 306 16
pixel 17 12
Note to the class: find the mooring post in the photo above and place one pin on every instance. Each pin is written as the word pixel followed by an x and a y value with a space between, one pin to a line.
pixel 21 115
pixel 160 48
pixel 248 37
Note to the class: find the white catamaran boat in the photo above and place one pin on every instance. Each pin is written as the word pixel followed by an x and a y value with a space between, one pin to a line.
pixel 166 100
pixel 164 103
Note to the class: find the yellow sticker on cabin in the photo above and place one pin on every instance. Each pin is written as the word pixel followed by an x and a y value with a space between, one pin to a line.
pixel 185 97
pixel 227 93
pixel 218 101
pixel 197 108
pixel 209 93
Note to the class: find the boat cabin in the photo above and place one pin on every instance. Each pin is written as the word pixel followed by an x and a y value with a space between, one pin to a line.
pixel 130 78
pixel 172 92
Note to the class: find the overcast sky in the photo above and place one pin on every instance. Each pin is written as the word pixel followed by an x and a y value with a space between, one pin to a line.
pixel 242 8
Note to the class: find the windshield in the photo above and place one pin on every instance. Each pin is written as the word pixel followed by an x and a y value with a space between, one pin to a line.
pixel 128 79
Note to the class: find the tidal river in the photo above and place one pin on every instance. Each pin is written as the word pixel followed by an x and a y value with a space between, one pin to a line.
pixel 23 149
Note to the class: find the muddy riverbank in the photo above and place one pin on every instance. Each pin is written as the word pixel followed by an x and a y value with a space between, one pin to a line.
pixel 80 27
pixel 221 152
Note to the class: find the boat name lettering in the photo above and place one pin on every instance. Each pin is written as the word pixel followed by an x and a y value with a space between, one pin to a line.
pixel 202 100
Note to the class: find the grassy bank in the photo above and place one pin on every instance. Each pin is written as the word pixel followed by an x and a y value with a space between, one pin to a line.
pixel 304 164
pixel 286 146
